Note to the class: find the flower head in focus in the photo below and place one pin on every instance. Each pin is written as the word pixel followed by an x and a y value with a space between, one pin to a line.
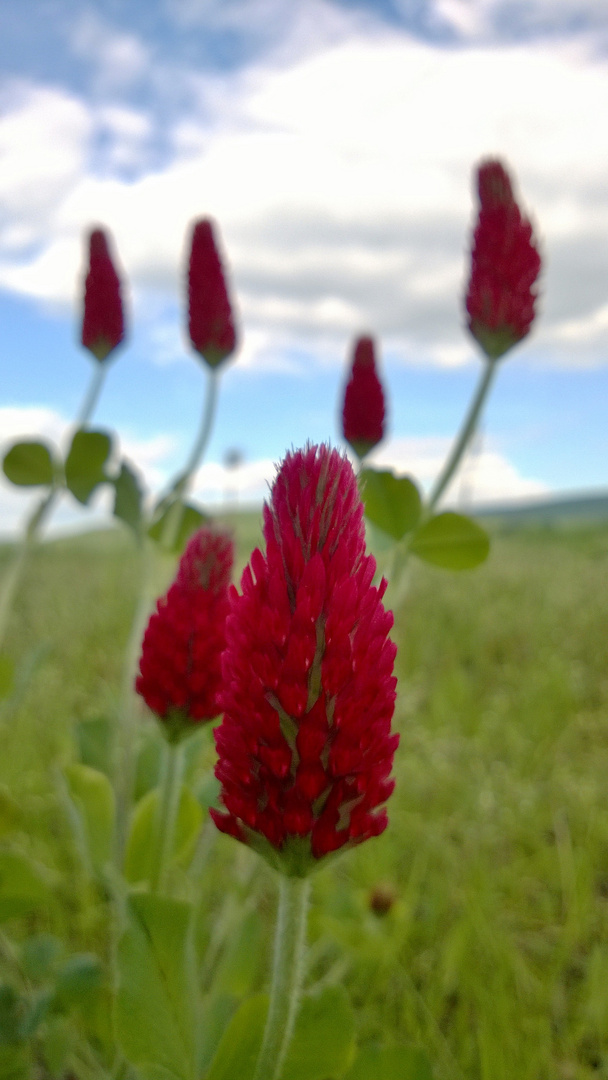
pixel 180 673
pixel 505 264
pixel 363 410
pixel 305 748
pixel 103 321
pixel 211 321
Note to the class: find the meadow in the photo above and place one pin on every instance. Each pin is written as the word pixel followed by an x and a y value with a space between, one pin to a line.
pixel 476 927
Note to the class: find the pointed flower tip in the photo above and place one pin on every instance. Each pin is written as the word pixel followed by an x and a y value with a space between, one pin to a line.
pixel 210 315
pixel 505 264
pixel 305 748
pixel 363 412
pixel 493 184
pixel 103 320
pixel 180 674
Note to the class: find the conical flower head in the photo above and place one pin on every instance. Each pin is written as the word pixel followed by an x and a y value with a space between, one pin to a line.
pixel 505 264
pixel 211 322
pixel 180 674
pixel 305 748
pixel 103 321
pixel 363 411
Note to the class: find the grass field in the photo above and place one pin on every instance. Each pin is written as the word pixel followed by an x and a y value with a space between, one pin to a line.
pixel 494 953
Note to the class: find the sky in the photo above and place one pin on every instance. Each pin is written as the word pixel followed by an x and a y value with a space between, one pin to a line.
pixel 334 143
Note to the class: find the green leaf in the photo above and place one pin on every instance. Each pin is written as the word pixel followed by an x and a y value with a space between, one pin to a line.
pixel 29 463
pixel 391 1063
pixel 94 739
pixel 7 675
pixel 39 954
pixel 57 1042
pixel 391 502
pixel 36 1012
pixel 79 979
pixel 93 797
pixel 451 541
pixel 10 811
pixel 216 1012
pixel 167 535
pixel 324 1037
pixel 15 1062
pixel 11 1009
pixel 22 888
pixel 155 1072
pixel 156 1006
pixel 128 498
pixel 239 1047
pixel 239 964
pixel 141 848
pixel 149 762
pixel 84 466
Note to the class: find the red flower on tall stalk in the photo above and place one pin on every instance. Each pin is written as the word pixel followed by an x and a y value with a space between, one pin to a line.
pixel 363 410
pixel 211 321
pixel 103 320
pixel 180 675
pixel 305 746
pixel 505 264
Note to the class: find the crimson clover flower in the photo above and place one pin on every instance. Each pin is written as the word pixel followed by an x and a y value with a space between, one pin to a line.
pixel 363 411
pixel 505 264
pixel 180 673
pixel 305 746
pixel 211 322
pixel 103 321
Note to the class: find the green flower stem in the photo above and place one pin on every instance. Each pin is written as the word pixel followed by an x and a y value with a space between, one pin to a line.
pixel 126 720
pixel 287 975
pixel 41 512
pixel 463 439
pixel 167 812
pixel 92 395
pixel 183 481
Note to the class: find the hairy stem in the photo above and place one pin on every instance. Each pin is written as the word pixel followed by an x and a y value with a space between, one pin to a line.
pixel 167 812
pixel 287 974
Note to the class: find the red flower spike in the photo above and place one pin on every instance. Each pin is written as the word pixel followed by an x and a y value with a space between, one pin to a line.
pixel 180 674
pixel 505 264
pixel 363 411
pixel 103 322
pixel 305 748
pixel 211 323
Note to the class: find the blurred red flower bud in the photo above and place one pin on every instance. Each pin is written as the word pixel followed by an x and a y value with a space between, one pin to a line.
pixel 305 748
pixel 505 264
pixel 363 410
pixel 180 673
pixel 381 899
pixel 103 321
pixel 211 322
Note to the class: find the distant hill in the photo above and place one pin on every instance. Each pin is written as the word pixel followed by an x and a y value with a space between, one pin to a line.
pixel 590 506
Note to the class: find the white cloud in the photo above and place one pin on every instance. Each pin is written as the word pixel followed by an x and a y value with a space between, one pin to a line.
pixel 248 483
pixel 341 177
pixel 43 150
pixel 486 476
